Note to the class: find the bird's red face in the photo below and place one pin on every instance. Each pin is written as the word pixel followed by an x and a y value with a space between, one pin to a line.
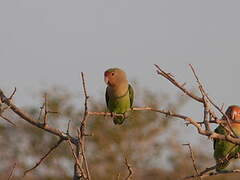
pixel 109 77
pixel 233 113
pixel 114 77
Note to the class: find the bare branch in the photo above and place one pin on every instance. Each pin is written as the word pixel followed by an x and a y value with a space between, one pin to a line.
pixel 68 127
pixel 174 82
pixel 188 120
pixel 206 173
pixel 205 95
pixel 6 119
pixel 11 173
pixel 205 102
pixel 130 171
pixel 83 124
pixel 193 159
pixel 206 115
pixel 82 129
pixel 82 149
pixel 76 159
pixel 45 119
pixel 80 155
pixel 32 121
pixel 44 157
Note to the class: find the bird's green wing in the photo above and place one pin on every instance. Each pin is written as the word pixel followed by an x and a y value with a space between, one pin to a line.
pixel 107 96
pixel 215 140
pixel 222 149
pixel 131 94
pixel 219 130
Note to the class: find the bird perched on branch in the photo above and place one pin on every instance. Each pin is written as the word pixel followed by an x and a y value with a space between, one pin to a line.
pixel 224 150
pixel 119 94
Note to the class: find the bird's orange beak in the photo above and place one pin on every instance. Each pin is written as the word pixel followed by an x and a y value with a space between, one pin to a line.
pixel 106 77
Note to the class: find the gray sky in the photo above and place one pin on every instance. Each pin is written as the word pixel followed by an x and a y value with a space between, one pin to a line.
pixel 49 42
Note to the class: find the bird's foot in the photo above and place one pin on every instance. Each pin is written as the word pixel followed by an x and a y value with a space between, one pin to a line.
pixel 113 114
pixel 237 156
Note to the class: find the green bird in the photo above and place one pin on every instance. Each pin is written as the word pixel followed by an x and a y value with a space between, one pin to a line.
pixel 223 150
pixel 119 94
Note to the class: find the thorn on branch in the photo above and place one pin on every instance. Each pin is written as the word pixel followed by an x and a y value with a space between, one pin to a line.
pixel 184 84
pixel 46 111
pixel 40 113
pixel 13 93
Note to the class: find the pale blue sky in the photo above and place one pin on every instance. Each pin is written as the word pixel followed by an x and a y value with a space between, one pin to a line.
pixel 49 42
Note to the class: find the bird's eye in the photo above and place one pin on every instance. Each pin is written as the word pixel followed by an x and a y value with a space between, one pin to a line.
pixel 112 74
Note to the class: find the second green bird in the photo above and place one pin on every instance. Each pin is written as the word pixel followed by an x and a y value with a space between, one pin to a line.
pixel 119 93
pixel 223 150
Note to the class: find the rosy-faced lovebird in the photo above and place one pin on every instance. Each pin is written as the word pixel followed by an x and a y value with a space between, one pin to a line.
pixel 119 94
pixel 224 149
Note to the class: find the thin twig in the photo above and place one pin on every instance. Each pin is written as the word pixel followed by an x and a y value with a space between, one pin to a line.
pixel 189 120
pixel 206 173
pixel 25 116
pixel 68 127
pixel 76 159
pixel 45 119
pixel 83 123
pixel 82 129
pixel 11 173
pixel 210 100
pixel 6 119
pixel 193 159
pixel 174 82
pixel 130 171
pixel 44 157
pixel 205 102
pixel 13 93
pixel 224 115
pixel 40 113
